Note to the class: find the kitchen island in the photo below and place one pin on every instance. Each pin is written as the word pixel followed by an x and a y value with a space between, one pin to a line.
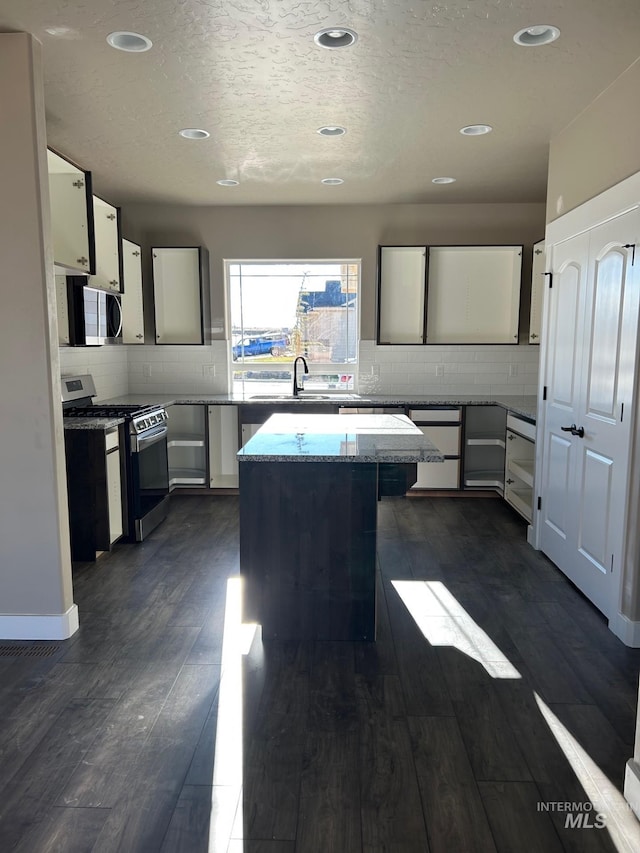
pixel 309 488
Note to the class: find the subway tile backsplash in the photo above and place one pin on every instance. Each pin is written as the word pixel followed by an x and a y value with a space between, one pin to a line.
pixel 491 370
pixel 108 365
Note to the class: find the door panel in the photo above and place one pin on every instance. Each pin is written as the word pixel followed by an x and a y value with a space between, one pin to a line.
pixel 565 301
pixel 558 484
pixel 595 509
pixel 605 335
pixel 564 343
pixel 585 477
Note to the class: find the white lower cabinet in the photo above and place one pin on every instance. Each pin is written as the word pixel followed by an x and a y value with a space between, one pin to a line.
pixel 248 431
pixel 223 447
pixel 443 426
pixel 484 447
pixel 187 446
pixel 520 465
pixel 114 485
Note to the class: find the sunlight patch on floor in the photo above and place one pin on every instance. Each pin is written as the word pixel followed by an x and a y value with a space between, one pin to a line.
pixel 619 819
pixel 226 797
pixel 444 622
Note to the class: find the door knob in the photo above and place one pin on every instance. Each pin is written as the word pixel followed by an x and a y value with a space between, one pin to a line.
pixel 574 430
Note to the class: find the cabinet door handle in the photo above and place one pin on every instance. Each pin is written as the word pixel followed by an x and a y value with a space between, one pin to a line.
pixel 511 436
pixel 139 337
pixel 510 481
pixel 534 335
pixel 574 430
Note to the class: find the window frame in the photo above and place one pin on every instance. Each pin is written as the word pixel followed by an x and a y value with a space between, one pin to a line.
pixel 316 368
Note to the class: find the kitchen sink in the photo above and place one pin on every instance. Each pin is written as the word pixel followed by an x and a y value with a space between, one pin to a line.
pixel 291 397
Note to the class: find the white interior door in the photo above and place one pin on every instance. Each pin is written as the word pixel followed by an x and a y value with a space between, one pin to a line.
pixel 593 318
pixel 562 380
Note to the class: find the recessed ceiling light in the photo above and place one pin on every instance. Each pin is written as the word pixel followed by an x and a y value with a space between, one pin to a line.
pixel 443 180
pixel 332 182
pixel 61 32
pixel 476 129
pixel 194 133
pixel 332 130
pixel 228 182
pixel 333 37
pixel 131 42
pixel 536 35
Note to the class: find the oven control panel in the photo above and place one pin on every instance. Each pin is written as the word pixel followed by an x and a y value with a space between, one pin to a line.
pixel 148 420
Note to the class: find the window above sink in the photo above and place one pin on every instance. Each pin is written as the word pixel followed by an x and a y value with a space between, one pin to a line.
pixel 279 310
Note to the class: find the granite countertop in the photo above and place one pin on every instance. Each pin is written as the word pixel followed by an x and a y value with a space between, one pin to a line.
pixel 526 406
pixel 332 438
pixel 91 423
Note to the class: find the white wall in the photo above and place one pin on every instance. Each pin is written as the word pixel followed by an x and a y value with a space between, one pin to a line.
pixel 35 567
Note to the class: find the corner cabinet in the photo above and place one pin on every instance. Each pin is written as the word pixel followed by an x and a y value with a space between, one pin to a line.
pixel 537 292
pixel 132 306
pixel 106 220
pixel 181 295
pixel 71 216
pixel 187 446
pixel 484 447
pixel 520 465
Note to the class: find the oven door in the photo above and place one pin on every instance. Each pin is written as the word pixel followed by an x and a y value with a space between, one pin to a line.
pixel 149 472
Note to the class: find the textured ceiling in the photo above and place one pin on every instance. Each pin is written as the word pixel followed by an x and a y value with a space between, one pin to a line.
pixel 248 71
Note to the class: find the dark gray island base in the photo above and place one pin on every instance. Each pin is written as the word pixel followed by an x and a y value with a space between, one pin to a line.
pixel 308 507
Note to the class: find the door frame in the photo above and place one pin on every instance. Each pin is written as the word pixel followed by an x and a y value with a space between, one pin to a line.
pixel 619 199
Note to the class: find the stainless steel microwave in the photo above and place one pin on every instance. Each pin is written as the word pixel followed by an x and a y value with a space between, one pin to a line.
pixel 95 316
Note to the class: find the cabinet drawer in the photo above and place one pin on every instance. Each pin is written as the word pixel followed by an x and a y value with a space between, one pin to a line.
pixel 444 414
pixel 438 475
pixel 445 438
pixel 521 426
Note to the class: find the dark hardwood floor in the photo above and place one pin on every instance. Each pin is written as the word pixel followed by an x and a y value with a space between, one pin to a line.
pixel 157 728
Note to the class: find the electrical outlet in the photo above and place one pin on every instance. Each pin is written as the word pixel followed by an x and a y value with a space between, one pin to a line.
pixel 208 370
pixel 375 370
pixel 146 370
pixel 513 370
pixel 439 369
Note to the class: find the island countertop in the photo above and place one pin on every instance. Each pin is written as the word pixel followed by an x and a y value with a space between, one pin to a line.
pixel 334 438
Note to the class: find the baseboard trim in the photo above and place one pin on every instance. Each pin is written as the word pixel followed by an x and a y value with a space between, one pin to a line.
pixel 632 786
pixel 626 630
pixel 57 626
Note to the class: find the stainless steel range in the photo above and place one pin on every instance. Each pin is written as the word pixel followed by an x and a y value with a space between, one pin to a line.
pixel 145 448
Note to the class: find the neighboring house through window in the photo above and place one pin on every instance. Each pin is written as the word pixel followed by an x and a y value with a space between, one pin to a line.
pixel 282 309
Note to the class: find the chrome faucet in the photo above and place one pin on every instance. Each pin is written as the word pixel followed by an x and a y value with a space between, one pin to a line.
pixel 297 388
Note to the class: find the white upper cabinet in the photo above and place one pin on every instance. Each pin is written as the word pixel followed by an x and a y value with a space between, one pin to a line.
pixel 180 294
pixel 537 291
pixel 132 307
pixel 106 220
pixel 473 294
pixel 401 291
pixel 71 215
